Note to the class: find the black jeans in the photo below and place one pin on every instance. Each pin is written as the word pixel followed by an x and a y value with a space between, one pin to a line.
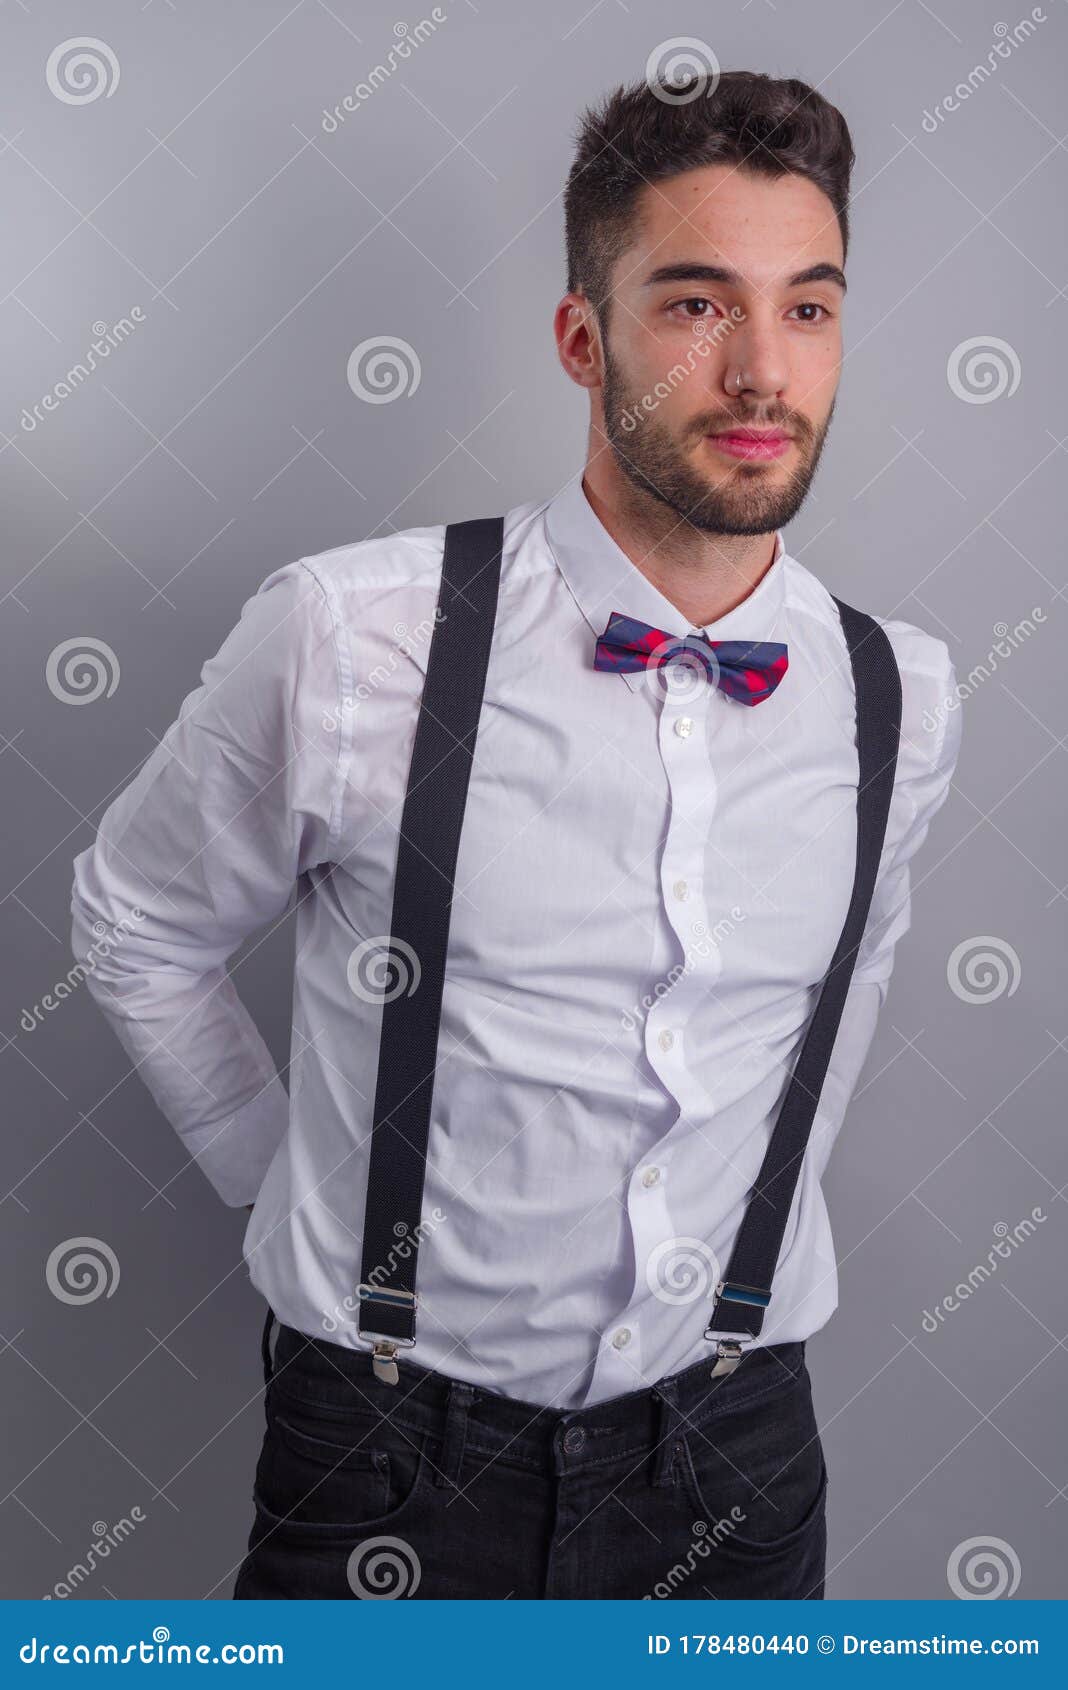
pixel 695 1487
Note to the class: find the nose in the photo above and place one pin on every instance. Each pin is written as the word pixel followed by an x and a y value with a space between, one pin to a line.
pixel 755 362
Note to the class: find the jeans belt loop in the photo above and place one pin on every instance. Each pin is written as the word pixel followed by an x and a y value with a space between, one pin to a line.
pixel 461 1396
pixel 666 1393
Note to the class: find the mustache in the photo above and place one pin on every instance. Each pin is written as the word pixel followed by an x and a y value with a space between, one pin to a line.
pixel 721 420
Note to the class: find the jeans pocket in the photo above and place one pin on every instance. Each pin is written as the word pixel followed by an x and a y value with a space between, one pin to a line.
pixel 758 1478
pixel 322 1472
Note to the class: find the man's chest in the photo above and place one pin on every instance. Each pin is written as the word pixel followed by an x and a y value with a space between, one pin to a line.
pixel 612 833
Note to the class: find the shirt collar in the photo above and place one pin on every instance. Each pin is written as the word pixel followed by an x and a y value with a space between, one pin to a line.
pixel 602 579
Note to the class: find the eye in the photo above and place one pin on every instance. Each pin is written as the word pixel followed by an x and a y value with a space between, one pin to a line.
pixel 814 305
pixel 696 316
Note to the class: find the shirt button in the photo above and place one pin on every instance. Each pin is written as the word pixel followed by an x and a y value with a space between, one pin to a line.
pixel 680 889
pixel 684 727
pixel 650 1177
pixel 574 1440
pixel 621 1338
pixel 666 1040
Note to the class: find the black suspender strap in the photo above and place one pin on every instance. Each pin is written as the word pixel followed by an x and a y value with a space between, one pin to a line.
pixel 431 820
pixel 745 1290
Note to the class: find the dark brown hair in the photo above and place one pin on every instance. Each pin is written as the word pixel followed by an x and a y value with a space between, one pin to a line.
pixel 637 136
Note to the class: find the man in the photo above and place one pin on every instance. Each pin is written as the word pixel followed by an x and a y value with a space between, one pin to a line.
pixel 587 968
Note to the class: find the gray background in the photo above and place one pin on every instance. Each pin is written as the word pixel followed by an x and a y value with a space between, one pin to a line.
pixel 222 439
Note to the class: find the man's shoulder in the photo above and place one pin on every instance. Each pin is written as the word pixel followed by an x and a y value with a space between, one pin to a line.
pixel 930 704
pixel 916 650
pixel 410 558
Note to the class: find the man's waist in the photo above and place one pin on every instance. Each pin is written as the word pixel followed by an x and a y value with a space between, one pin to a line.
pixel 525 1432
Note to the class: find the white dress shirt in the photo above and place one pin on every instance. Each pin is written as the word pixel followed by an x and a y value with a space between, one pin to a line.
pixel 651 884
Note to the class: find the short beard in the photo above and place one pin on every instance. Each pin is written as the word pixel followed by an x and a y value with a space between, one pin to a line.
pixel 650 457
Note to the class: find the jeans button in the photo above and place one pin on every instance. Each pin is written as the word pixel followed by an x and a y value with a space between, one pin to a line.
pixel 574 1440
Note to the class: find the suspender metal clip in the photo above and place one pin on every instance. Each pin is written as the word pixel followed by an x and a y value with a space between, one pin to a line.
pixel 729 1352
pixel 384 1348
pixel 383 1354
pixel 729 1291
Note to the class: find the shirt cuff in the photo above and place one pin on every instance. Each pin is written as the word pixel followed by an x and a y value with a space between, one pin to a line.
pixel 236 1152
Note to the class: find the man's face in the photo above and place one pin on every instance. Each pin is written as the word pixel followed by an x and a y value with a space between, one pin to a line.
pixel 730 274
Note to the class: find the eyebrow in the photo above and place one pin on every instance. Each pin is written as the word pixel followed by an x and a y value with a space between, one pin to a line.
pixel 689 270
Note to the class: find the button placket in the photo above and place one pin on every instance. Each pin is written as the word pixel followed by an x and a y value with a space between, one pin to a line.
pixel 693 794
pixel 651 1224
pixel 688 762
pixel 692 789
pixel 619 1361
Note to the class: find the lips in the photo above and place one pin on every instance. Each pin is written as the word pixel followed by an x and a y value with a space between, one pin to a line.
pixel 751 442
pixel 766 435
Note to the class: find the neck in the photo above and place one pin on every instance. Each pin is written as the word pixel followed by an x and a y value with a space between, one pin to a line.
pixel 703 575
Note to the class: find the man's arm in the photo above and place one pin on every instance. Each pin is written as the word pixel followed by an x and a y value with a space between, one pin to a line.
pixel 927 757
pixel 202 848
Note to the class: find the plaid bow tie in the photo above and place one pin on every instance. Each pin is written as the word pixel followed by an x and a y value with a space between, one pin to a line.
pixel 748 670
